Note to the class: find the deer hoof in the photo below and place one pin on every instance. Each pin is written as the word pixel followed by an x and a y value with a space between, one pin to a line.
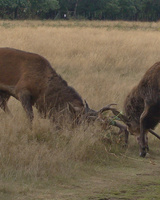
pixel 143 153
pixel 125 145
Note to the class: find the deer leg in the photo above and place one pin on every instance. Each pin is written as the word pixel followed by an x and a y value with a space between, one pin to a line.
pixel 143 131
pixel 4 97
pixel 26 101
pixel 146 143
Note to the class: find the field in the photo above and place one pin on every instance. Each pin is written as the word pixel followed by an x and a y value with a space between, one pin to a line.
pixel 102 60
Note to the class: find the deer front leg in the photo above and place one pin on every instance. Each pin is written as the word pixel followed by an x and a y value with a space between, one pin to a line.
pixel 142 144
pixel 146 142
pixel 25 99
pixel 143 140
pixel 4 97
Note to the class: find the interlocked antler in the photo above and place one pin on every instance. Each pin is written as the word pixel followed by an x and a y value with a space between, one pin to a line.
pixel 108 107
pixel 122 128
pixel 96 115
pixel 127 121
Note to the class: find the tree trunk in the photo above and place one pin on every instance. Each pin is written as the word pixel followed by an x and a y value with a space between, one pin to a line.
pixel 75 8
pixel 16 12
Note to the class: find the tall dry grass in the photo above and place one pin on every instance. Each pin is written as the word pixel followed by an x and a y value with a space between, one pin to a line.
pixel 102 61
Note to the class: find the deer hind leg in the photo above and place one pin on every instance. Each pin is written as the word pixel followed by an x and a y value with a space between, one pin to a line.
pixel 25 98
pixel 143 140
pixel 4 97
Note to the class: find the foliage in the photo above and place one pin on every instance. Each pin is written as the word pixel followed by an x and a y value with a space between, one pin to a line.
pixel 144 10
pixel 42 7
pixel 26 8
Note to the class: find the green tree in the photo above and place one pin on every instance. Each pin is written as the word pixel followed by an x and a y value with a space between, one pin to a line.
pixel 148 10
pixel 128 9
pixel 92 9
pixel 24 8
pixel 13 7
pixel 68 7
pixel 42 7
pixel 151 10
pixel 138 4
pixel 111 9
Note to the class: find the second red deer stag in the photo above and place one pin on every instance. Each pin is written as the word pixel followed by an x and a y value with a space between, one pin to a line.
pixel 30 79
pixel 142 107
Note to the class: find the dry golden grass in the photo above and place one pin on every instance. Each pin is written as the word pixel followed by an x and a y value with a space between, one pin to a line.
pixel 102 61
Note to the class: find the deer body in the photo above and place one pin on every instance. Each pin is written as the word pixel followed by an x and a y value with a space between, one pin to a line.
pixel 142 106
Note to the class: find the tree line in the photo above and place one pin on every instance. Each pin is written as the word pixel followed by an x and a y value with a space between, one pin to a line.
pixel 137 10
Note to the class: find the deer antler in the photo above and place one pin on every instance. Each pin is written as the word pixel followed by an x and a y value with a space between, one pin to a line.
pixel 108 107
pixel 120 116
pixel 92 114
pixel 122 128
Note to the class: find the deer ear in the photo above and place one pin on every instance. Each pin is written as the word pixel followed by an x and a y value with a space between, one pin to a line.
pixel 73 109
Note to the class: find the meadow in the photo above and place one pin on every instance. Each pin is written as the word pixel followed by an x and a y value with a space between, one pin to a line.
pixel 102 60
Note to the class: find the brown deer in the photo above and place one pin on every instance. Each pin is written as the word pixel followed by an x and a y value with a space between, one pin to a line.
pixel 30 79
pixel 142 107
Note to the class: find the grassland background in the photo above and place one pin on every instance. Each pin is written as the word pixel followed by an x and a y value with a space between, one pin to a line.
pixel 102 61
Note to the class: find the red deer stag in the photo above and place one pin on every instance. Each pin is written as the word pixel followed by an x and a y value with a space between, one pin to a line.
pixel 142 107
pixel 30 79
